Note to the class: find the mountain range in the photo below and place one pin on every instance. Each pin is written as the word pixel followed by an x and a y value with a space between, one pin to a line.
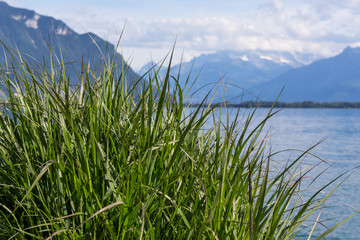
pixel 335 79
pixel 261 75
pixel 34 35
pixel 234 73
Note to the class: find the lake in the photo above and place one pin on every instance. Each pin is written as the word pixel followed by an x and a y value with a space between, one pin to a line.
pixel 340 131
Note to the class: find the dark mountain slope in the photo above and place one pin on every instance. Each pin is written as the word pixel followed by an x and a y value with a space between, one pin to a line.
pixel 33 35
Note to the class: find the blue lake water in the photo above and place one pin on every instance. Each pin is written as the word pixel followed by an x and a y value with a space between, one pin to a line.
pixel 340 131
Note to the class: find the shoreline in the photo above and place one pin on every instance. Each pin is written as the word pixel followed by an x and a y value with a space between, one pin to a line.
pixel 305 104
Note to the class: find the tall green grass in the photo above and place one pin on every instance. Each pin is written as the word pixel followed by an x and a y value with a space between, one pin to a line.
pixel 104 160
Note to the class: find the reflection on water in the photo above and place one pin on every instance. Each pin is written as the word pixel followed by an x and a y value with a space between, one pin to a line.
pixel 340 130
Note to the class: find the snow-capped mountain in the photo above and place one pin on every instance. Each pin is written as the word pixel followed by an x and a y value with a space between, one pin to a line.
pixel 33 35
pixel 234 73
pixel 335 79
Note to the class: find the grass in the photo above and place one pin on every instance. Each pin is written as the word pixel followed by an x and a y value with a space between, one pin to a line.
pixel 103 160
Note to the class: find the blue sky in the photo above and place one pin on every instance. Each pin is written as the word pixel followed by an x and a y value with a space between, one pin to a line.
pixel 322 27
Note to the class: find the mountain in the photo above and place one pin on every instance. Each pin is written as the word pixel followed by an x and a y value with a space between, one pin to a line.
pixel 239 70
pixel 34 35
pixel 151 67
pixel 335 79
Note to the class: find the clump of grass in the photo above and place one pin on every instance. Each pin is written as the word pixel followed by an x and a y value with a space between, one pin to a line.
pixel 103 160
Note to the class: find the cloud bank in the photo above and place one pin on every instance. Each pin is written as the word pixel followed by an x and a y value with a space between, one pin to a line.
pixel 323 27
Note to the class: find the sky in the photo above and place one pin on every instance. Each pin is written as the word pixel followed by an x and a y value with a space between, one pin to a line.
pixel 151 28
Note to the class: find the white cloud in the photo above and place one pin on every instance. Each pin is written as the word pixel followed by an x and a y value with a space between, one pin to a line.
pixel 296 31
pixel 293 32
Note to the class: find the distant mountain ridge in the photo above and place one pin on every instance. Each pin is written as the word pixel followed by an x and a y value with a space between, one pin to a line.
pixel 33 35
pixel 335 79
pixel 236 71
pixel 261 75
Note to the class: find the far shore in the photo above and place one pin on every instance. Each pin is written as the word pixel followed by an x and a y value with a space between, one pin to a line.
pixel 305 104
